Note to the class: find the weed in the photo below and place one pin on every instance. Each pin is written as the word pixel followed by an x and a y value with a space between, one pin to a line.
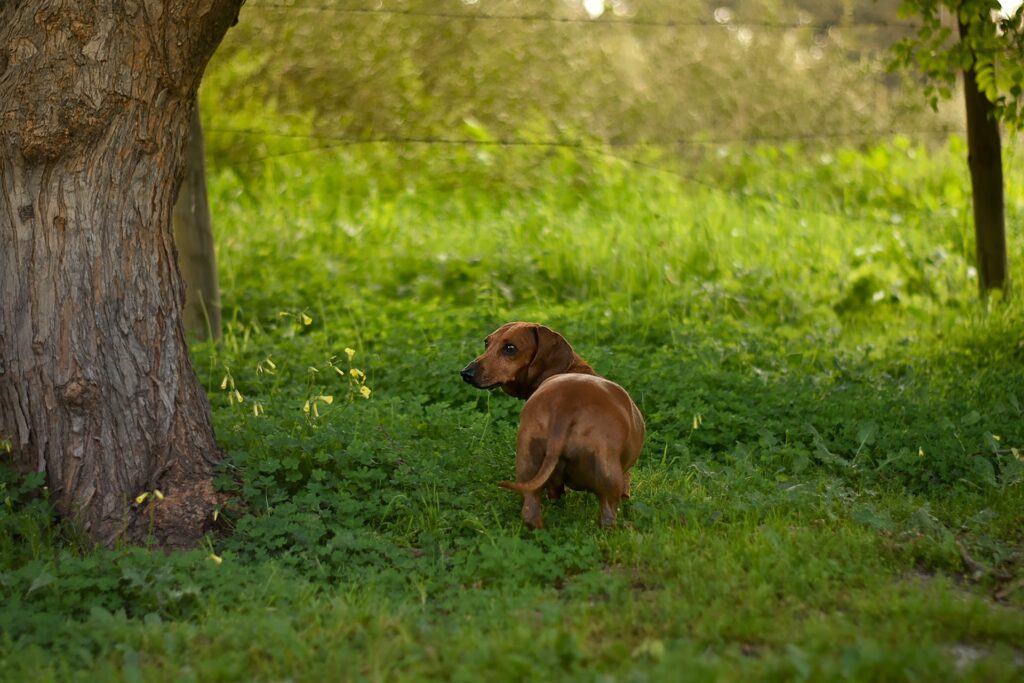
pixel 831 485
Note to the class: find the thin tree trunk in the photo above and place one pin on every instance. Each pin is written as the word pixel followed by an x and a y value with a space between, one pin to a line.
pixel 193 237
pixel 96 385
pixel 984 158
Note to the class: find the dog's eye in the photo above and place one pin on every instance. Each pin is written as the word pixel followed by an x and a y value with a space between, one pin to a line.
pixel 510 349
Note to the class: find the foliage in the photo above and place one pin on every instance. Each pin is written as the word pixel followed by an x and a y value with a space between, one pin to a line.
pixel 993 47
pixel 832 482
pixel 665 73
pixel 831 488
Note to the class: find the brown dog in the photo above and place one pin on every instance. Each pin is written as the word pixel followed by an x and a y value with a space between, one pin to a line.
pixel 577 429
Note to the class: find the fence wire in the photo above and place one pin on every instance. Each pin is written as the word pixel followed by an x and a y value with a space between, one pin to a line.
pixel 615 148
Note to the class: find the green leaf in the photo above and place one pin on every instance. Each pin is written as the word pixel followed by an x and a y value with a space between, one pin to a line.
pixel 44 579
pixel 971 418
pixel 983 470
pixel 866 432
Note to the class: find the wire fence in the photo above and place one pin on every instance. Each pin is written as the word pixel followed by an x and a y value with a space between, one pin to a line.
pixel 615 152
pixel 722 21
pixel 329 141
pixel 343 140
pixel 719 19
pixel 617 148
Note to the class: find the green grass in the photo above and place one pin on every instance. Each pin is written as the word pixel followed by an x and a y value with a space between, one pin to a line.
pixel 828 490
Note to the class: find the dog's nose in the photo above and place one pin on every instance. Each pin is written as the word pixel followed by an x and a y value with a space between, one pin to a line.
pixel 469 373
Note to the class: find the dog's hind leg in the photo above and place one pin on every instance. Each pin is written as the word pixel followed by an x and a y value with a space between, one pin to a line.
pixel 609 510
pixel 612 484
pixel 531 510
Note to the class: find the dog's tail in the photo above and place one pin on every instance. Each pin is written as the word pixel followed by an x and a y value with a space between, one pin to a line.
pixel 553 451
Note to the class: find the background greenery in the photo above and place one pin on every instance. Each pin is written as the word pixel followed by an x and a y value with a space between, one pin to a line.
pixel 831 486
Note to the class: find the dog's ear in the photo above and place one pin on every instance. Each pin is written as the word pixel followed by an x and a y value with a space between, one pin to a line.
pixel 553 357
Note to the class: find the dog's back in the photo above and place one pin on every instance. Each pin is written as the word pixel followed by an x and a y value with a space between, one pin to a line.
pixel 583 431
pixel 572 401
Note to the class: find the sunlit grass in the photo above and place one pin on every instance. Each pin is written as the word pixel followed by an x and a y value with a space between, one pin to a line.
pixel 822 496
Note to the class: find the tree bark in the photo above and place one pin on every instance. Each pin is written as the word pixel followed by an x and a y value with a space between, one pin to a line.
pixel 193 236
pixel 985 161
pixel 96 385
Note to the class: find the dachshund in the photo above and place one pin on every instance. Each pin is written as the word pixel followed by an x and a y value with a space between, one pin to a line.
pixel 577 429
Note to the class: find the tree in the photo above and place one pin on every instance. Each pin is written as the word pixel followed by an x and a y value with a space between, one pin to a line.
pixel 990 55
pixel 193 236
pixel 96 385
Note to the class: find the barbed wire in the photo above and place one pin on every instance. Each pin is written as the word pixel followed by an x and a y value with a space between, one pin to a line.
pixel 613 152
pixel 337 141
pixel 599 21
pixel 612 148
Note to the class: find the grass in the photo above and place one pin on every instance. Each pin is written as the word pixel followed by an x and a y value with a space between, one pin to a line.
pixel 830 488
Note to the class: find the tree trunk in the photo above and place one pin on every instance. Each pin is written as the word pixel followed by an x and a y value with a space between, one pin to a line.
pixel 193 236
pixel 984 158
pixel 96 386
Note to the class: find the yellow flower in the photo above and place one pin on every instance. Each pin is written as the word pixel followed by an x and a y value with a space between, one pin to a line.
pixel 357 374
pixel 158 494
pixel 350 353
pixel 217 559
pixel 306 320
pixel 326 399
pixel 224 382
pixel 141 498
pixel 305 407
pixel 238 396
pixel 364 391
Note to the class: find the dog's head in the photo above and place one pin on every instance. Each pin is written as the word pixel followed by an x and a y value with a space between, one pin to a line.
pixel 519 356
